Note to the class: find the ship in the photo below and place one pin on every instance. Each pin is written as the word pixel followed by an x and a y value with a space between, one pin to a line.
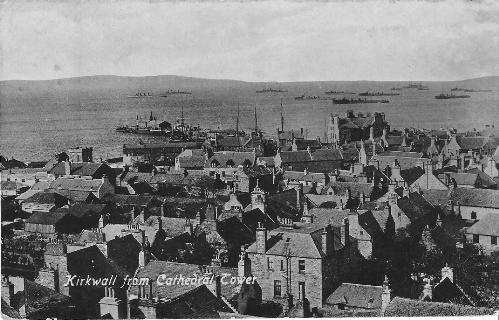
pixel 377 94
pixel 304 97
pixel 476 90
pixel 418 86
pixel 171 92
pixel 356 101
pixel 334 92
pixel 141 95
pixel 457 89
pixel 396 89
pixel 270 90
pixel 451 96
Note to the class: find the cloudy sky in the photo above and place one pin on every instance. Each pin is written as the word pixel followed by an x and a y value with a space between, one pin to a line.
pixel 253 41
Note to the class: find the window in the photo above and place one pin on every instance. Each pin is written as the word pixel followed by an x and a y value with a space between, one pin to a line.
pixel 270 264
pixel 277 288
pixel 301 266
pixel 361 232
pixel 301 290
pixel 493 240
pixel 473 215
pixel 476 238
pixel 282 265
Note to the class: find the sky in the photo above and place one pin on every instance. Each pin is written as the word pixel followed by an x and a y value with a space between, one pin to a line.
pixel 251 41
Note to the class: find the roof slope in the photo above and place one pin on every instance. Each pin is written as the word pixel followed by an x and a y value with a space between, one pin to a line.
pixel 357 295
pixel 488 225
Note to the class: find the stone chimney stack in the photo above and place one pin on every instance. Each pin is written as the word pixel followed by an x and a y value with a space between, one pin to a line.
pixel 7 290
pixel 447 272
pixel 67 168
pixel 261 238
pixel 162 208
pixel 324 239
pixel 345 232
pixel 371 133
pixel 244 264
pixel 383 138
pixel 427 290
pixel 386 295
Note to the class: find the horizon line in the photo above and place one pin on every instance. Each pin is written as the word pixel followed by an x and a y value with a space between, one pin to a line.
pixel 239 80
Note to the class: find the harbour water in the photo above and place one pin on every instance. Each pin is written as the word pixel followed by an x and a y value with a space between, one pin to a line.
pixel 35 124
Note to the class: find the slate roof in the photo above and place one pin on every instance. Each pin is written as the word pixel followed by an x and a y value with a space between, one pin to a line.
pixel 192 158
pixel 488 225
pixel 327 155
pixel 357 296
pixel 40 185
pixel 410 175
pixel 172 226
pixel 197 303
pixel 231 142
pixel 8 311
pixel 304 241
pixel 485 180
pixel 468 179
pixel 405 159
pixel 324 216
pixel 295 156
pixel 436 197
pixel 81 209
pixel 77 168
pixel 402 307
pixel 38 298
pixel 47 218
pixel 415 206
pixel 89 236
pixel 89 185
pixel 25 195
pixel 356 188
pixel 302 144
pixel 476 197
pixel 46 198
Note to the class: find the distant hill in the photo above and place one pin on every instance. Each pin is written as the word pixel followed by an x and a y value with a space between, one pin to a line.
pixel 165 82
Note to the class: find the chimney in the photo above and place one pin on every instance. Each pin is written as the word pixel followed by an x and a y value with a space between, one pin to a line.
pixel 386 295
pixel 218 286
pixel 371 133
pixel 188 228
pixel 243 265
pixel 7 290
pixel 427 291
pixel 143 258
pixel 462 162
pixel 67 168
pixel 162 208
pixel 345 232
pixel 261 238
pixel 324 238
pixel 385 142
pixel 101 222
pixel 447 272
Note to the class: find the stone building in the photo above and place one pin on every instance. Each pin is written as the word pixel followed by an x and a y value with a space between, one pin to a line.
pixel 355 127
pixel 298 262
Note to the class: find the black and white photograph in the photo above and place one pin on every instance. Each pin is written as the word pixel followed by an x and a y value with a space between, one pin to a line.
pixel 167 159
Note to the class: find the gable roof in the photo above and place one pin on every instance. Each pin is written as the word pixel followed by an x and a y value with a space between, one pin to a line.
pixel 46 198
pixel 357 295
pixel 38 298
pixel 295 156
pixel 76 184
pixel 77 168
pixel 172 226
pixel 47 218
pixel 199 302
pixel 487 198
pixel 303 241
pixel 488 225
pixel 415 206
pixel 470 143
pixel 327 155
pixel 469 179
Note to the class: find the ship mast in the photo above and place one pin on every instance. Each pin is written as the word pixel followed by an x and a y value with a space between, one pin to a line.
pixel 237 121
pixel 256 122
pixel 282 117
